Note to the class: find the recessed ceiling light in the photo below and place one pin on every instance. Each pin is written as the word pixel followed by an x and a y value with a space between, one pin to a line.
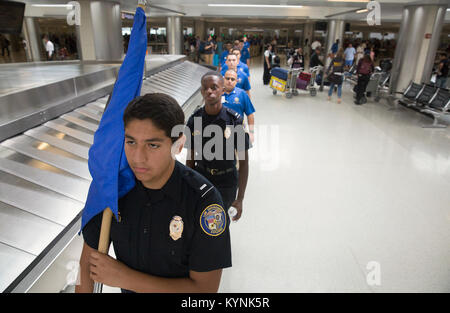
pixel 52 5
pixel 255 6
pixel 348 0
pixel 362 11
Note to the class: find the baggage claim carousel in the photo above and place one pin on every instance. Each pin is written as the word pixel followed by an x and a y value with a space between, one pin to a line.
pixel 48 115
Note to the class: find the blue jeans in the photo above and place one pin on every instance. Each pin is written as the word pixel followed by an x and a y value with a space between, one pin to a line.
pixel 348 62
pixel 441 82
pixel 339 90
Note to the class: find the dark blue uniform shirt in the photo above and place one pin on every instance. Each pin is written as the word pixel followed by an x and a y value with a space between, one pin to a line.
pixel 172 230
pixel 221 172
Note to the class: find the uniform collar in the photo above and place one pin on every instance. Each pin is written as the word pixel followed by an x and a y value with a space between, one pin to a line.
pixel 221 115
pixel 231 92
pixel 170 188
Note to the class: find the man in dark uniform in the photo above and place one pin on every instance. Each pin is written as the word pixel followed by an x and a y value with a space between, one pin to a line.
pixel 172 234
pixel 221 169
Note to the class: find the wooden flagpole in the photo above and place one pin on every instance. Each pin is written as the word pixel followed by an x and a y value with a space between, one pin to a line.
pixel 104 242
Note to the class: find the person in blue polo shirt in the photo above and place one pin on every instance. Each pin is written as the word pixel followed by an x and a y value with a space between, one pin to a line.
pixel 242 79
pixel 237 99
pixel 246 43
pixel 241 67
pixel 245 54
pixel 223 56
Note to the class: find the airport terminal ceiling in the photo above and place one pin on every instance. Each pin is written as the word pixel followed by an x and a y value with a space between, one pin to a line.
pixel 391 10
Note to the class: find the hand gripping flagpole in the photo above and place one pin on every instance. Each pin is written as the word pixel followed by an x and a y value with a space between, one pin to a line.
pixel 103 242
pixel 104 239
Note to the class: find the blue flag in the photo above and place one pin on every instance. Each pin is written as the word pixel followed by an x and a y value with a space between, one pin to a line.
pixel 112 177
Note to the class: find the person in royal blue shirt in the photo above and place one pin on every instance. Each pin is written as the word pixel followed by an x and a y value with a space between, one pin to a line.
pixel 241 67
pixel 246 43
pixel 242 78
pixel 223 56
pixel 237 99
pixel 245 53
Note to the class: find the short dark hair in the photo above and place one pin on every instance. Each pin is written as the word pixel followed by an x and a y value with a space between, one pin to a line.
pixel 235 50
pixel 443 54
pixel 163 110
pixel 230 70
pixel 212 73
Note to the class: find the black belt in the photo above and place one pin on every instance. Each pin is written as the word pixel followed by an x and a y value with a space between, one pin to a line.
pixel 217 172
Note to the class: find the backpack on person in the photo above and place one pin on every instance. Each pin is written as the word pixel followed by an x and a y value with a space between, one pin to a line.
pixel 365 68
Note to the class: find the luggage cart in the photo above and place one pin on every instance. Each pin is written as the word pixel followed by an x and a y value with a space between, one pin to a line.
pixel 285 81
pixel 377 86
pixel 306 81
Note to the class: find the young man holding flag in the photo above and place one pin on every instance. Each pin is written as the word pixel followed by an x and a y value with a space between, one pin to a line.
pixel 172 234
pixel 163 233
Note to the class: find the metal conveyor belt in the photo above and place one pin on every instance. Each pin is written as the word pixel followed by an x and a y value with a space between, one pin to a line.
pixel 44 179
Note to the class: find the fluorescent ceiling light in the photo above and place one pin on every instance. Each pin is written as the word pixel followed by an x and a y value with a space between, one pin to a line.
pixel 52 5
pixel 255 6
pixel 362 11
pixel 348 0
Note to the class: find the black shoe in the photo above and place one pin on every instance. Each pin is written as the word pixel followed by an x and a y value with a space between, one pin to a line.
pixel 358 102
pixel 363 100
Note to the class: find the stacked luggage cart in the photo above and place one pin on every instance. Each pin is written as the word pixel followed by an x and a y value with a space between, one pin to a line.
pixel 290 81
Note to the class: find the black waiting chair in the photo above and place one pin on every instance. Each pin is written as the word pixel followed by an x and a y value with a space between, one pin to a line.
pixel 425 96
pixel 411 93
pixel 438 106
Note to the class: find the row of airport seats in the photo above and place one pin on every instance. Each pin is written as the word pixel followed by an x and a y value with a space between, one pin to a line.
pixel 428 99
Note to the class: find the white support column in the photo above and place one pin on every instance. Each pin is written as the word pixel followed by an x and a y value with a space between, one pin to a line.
pixel 33 39
pixel 415 50
pixel 174 35
pixel 100 32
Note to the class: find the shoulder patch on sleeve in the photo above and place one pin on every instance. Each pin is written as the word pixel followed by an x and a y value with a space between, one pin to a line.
pixel 236 116
pixel 200 185
pixel 213 220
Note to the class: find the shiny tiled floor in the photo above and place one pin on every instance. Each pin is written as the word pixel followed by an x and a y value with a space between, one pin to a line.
pixel 340 186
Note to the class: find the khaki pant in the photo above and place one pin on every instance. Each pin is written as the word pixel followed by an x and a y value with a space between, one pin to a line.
pixel 208 58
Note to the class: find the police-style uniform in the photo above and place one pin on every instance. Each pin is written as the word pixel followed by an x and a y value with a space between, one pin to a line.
pixel 172 230
pixel 222 173
pixel 241 67
pixel 239 101
pixel 242 78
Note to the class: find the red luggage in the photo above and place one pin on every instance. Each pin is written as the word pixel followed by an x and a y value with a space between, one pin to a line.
pixel 305 76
